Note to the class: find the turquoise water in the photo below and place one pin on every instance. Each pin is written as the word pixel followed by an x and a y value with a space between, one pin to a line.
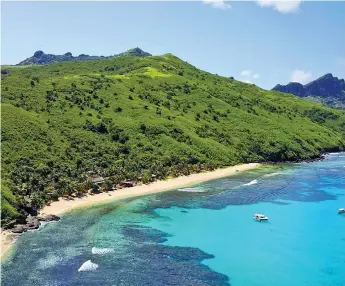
pixel 202 235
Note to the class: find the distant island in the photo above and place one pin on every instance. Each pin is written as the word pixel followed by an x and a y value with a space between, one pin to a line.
pixel 74 124
pixel 327 89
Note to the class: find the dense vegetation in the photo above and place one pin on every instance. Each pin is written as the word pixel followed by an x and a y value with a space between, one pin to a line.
pixel 130 117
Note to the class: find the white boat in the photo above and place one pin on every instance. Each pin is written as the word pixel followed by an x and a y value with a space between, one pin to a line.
pixel 341 211
pixel 260 217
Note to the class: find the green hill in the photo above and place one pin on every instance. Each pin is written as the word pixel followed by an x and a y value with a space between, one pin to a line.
pixel 129 117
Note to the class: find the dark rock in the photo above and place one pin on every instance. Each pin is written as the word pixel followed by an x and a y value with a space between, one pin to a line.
pixel 19 229
pixel 32 223
pixel 4 72
pixel 49 218
pixel 10 224
pixel 22 218
pixel 32 211
pixel 68 54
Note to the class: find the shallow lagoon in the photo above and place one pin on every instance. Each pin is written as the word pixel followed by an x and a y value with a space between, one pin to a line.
pixel 201 235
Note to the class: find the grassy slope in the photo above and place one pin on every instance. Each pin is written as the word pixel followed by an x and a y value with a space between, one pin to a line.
pixel 133 116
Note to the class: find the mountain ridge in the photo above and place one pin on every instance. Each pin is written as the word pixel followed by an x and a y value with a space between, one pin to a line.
pixel 40 58
pixel 326 89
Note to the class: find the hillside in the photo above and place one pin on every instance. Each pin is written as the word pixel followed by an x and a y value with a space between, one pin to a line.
pixel 130 117
pixel 40 58
pixel 327 89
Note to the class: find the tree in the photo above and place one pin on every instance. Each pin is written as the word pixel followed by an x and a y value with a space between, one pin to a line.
pixel 108 184
pixel 117 178
pixel 95 188
pixel 81 189
pixel 146 177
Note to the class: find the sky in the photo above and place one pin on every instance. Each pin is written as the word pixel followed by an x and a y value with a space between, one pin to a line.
pixel 264 42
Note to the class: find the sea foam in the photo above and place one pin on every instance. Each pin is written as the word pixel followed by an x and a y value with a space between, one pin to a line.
pixel 192 190
pixel 251 183
pixel 272 174
pixel 96 250
pixel 88 266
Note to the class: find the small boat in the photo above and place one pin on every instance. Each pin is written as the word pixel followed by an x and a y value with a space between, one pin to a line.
pixel 341 211
pixel 260 217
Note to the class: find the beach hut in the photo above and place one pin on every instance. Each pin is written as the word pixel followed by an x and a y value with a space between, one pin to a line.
pixel 96 179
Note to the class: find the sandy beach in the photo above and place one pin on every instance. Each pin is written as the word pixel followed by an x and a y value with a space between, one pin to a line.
pixel 63 205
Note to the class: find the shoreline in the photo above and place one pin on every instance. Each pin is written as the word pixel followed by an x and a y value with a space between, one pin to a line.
pixel 63 206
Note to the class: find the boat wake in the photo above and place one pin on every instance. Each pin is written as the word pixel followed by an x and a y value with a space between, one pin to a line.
pixel 88 266
pixel 96 250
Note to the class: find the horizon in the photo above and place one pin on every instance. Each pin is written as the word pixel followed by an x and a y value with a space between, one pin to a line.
pixel 273 45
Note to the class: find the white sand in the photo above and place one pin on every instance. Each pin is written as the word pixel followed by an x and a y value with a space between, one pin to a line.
pixel 64 205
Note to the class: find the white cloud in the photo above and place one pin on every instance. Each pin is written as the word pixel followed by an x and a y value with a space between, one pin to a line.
pixel 248 76
pixel 218 4
pixel 300 76
pixel 247 73
pixel 281 6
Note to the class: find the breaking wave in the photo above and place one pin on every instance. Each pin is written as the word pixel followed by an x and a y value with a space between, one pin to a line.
pixel 88 266
pixel 96 250
pixel 251 183
pixel 272 174
pixel 191 190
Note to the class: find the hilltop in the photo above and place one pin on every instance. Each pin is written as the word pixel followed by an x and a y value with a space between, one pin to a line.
pixel 40 58
pixel 130 117
pixel 327 89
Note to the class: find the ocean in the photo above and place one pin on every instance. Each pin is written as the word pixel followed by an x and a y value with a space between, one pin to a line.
pixel 200 235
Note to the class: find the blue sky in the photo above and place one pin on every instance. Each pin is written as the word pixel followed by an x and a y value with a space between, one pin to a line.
pixel 263 42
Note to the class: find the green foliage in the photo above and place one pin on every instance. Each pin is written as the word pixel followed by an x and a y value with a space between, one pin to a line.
pixel 95 189
pixel 142 116
pixel 146 177
pixel 8 203
pixel 108 184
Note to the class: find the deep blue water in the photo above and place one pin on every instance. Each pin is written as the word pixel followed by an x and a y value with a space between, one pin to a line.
pixel 202 235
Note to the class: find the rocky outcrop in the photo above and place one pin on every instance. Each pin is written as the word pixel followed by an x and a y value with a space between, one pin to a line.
pixel 31 223
pixel 327 89
pixel 19 229
pixel 48 218
pixel 40 58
